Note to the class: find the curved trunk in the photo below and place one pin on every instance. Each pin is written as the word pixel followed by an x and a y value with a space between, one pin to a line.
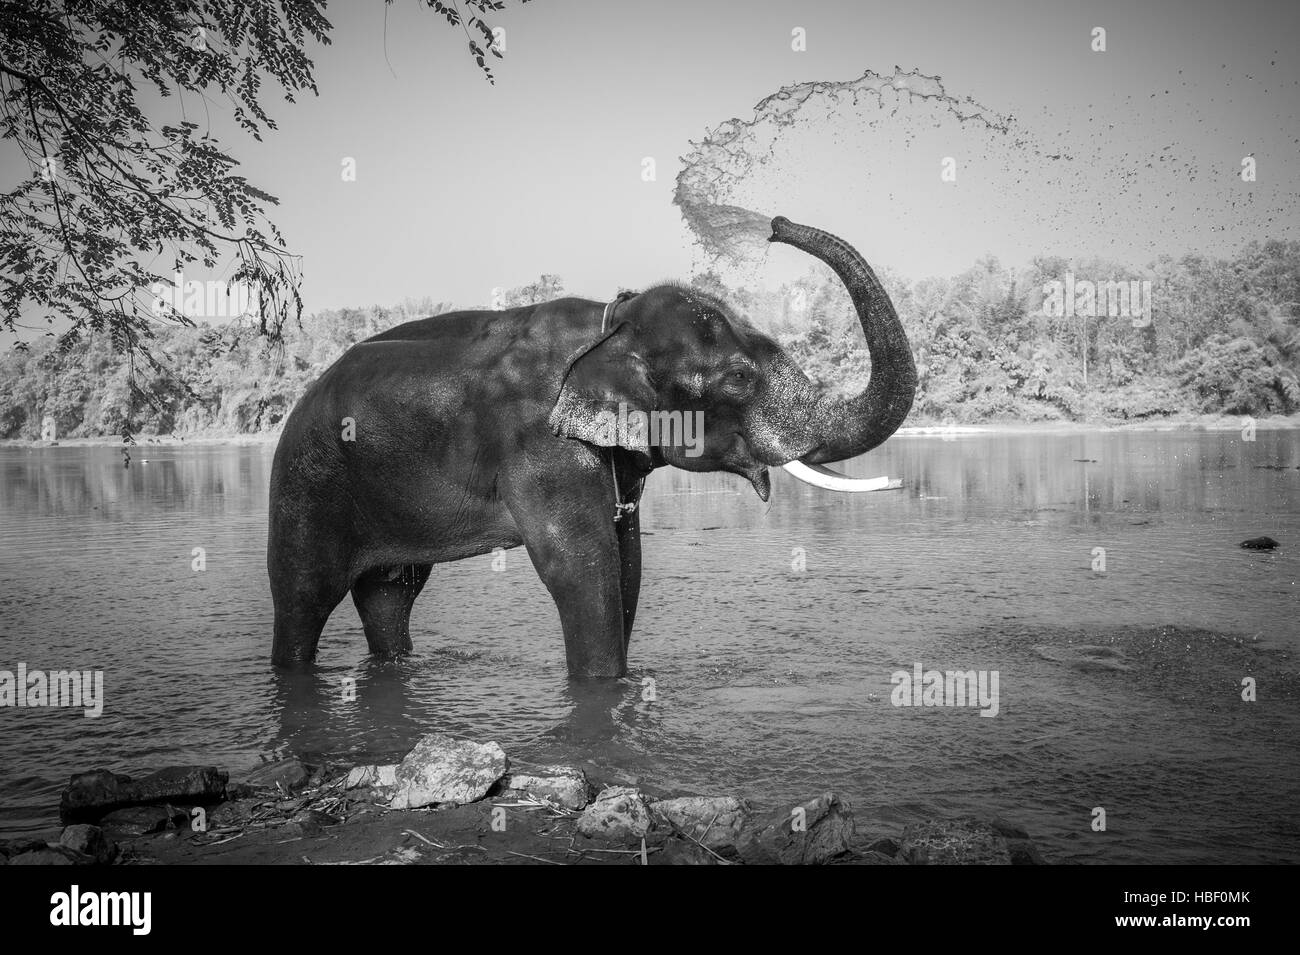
pixel 842 429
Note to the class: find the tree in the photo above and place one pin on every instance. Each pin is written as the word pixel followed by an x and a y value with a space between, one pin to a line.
pixel 546 288
pixel 111 194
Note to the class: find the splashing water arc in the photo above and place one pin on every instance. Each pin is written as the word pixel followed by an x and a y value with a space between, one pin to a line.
pixel 929 182
pixel 734 154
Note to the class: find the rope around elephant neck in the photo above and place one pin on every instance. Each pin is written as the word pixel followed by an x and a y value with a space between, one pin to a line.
pixel 620 509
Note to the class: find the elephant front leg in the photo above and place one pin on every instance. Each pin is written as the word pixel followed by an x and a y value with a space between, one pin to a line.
pixel 629 547
pixel 568 529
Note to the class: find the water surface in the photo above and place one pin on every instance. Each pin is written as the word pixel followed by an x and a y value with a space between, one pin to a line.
pixel 770 631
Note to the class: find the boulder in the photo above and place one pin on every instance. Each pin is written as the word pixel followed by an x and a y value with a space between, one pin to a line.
pixel 826 831
pixel 143 820
pixel 886 846
pixel 871 857
pixel 565 786
pixel 371 777
pixel 90 841
pixel 287 775
pixel 234 814
pixel 447 771
pixel 618 813
pixel 715 821
pixel 1024 852
pixel 52 855
pixel 1259 543
pixel 311 821
pixel 16 847
pixel 963 841
pixel 90 796
pixel 236 791
pixel 679 851
pixel 1009 830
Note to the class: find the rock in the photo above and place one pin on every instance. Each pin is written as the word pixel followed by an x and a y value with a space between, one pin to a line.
pixel 198 785
pixel 1259 543
pixel 447 771
pixel 233 814
pixel 16 847
pixel 872 857
pixel 716 821
pixel 565 786
pixel 772 840
pixel 618 812
pixel 311 821
pixel 287 775
pixel 142 820
pixel 679 851
pixel 235 791
pixel 52 855
pixel 962 841
pixel 371 777
pixel 1024 852
pixel 90 796
pixel 90 841
pixel 886 846
pixel 1010 830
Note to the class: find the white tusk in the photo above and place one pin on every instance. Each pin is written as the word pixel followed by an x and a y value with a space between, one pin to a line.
pixel 822 477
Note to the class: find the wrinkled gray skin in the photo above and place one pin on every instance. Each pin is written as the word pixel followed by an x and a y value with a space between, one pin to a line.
pixel 477 430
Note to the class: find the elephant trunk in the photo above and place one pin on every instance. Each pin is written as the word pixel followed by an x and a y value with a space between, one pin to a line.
pixel 844 428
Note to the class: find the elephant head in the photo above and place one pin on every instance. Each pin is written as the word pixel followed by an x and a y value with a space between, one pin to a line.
pixel 673 349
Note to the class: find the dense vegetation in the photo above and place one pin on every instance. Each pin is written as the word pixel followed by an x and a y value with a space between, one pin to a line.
pixel 1224 337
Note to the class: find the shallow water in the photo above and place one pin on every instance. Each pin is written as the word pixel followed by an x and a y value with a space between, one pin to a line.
pixel 770 682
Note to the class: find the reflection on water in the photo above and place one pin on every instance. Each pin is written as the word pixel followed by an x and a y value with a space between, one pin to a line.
pixel 771 681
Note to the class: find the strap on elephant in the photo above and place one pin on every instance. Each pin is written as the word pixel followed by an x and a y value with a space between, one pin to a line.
pixel 621 509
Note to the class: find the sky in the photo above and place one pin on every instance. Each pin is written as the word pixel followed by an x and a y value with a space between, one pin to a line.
pixel 463 187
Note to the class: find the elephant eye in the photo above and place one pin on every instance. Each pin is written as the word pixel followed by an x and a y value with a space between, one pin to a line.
pixel 739 376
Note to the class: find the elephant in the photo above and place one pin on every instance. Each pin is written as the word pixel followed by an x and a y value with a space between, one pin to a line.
pixel 449 437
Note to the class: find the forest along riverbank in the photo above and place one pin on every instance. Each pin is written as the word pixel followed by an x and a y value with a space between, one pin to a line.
pixel 935 428
pixel 452 801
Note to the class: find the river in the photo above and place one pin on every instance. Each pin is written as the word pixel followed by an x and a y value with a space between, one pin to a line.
pixel 770 633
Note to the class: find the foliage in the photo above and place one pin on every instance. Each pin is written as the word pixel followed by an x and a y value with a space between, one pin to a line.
pixel 110 193
pixel 1224 337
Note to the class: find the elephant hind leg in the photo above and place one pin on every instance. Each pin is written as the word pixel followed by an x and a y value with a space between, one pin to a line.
pixel 384 597
pixel 300 616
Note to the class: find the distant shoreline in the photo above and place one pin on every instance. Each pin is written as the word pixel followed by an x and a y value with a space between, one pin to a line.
pixel 1189 424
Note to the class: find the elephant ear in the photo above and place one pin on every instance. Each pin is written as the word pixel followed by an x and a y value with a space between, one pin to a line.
pixel 605 395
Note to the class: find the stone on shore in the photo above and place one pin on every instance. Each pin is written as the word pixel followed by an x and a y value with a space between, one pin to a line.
pixel 16 847
pixel 446 771
pixel 714 821
pixel 887 846
pixel 371 777
pixel 90 841
pixel 311 821
pixel 52 855
pixel 679 851
pixel 963 841
pixel 143 820
pixel 618 813
pixel 234 814
pixel 815 836
pixel 90 796
pixel 287 775
pixel 565 786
